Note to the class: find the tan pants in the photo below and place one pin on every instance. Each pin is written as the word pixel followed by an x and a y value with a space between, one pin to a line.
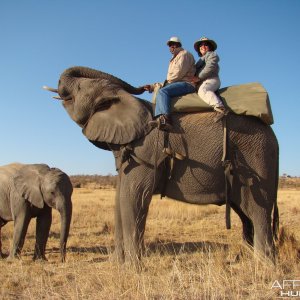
pixel 207 92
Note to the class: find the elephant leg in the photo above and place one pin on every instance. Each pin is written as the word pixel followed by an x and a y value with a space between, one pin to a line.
pixel 2 223
pixel 135 197
pixel 248 230
pixel 142 226
pixel 263 235
pixel 1 254
pixel 119 245
pixel 133 231
pixel 43 224
pixel 129 217
pixel 21 223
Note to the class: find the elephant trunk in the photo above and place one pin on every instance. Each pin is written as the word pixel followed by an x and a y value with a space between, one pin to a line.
pixel 65 217
pixel 85 72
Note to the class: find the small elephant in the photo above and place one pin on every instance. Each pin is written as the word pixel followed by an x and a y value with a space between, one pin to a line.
pixel 32 190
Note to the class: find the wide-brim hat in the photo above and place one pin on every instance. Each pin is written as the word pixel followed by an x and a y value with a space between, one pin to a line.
pixel 174 39
pixel 212 43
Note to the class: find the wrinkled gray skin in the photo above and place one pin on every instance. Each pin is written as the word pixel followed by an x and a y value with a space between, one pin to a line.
pixel 111 117
pixel 29 191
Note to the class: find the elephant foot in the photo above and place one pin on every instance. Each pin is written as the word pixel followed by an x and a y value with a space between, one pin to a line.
pixel 262 258
pixel 13 257
pixel 134 262
pixel 136 265
pixel 39 258
pixel 127 263
pixel 118 257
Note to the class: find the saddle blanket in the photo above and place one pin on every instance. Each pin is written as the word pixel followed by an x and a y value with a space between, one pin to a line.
pixel 250 99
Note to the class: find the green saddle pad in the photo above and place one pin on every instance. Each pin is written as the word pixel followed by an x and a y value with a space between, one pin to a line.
pixel 250 99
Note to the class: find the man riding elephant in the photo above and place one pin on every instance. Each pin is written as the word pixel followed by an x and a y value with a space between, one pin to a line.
pixel 179 82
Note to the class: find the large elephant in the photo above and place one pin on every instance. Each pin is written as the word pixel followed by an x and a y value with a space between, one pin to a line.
pixel 32 190
pixel 148 160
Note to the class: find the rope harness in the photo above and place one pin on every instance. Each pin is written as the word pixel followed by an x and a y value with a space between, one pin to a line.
pixel 228 172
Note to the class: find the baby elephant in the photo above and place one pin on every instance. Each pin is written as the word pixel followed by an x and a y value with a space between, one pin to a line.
pixel 29 191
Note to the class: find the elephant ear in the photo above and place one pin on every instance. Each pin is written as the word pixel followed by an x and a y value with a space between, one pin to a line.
pixel 27 183
pixel 118 120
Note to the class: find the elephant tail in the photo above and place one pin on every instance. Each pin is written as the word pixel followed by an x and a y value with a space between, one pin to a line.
pixel 86 72
pixel 275 208
pixel 275 222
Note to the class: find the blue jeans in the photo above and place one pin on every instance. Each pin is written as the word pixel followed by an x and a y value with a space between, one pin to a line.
pixel 164 95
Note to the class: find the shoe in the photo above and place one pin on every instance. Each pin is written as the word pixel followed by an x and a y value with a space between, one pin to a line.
pixel 220 109
pixel 223 111
pixel 165 123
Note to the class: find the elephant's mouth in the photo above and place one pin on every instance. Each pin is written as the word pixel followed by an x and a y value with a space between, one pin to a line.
pixel 68 98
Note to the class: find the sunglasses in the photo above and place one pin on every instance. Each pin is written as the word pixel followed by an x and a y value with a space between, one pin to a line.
pixel 173 44
pixel 204 44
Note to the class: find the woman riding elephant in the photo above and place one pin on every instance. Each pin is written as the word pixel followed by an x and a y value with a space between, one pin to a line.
pixel 207 73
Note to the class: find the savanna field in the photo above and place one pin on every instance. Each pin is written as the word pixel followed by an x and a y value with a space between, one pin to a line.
pixel 190 253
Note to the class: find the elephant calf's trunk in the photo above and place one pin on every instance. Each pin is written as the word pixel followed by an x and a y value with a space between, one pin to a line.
pixel 66 215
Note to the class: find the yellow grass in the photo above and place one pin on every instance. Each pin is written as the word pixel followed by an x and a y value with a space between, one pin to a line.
pixel 190 255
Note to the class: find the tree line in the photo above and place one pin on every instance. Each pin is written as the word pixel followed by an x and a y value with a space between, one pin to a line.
pixel 110 181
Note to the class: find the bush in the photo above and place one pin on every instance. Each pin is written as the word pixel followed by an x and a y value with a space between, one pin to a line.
pixel 288 182
pixel 95 181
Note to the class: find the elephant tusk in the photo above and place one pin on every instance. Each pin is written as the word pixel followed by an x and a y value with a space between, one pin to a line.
pixel 45 87
pixel 56 97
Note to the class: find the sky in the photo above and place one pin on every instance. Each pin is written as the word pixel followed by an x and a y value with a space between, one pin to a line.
pixel 258 41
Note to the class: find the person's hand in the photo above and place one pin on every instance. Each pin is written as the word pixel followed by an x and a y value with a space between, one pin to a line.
pixel 195 79
pixel 147 87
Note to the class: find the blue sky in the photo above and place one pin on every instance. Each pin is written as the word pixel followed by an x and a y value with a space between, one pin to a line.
pixel 257 41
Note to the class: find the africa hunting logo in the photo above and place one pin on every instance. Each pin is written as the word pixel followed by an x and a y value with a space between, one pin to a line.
pixel 287 288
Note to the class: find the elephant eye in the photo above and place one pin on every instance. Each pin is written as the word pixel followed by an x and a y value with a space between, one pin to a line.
pixel 103 106
pixel 106 103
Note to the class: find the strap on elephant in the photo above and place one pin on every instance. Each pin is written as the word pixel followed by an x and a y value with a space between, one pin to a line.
pixel 127 154
pixel 168 166
pixel 228 168
pixel 171 154
pixel 169 162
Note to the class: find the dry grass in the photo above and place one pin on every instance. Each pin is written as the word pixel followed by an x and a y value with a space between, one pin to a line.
pixel 190 255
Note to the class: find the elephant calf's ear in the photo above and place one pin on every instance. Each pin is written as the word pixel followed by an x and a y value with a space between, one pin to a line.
pixel 27 185
pixel 123 121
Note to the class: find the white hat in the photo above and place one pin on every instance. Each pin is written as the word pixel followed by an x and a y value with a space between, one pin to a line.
pixel 174 39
